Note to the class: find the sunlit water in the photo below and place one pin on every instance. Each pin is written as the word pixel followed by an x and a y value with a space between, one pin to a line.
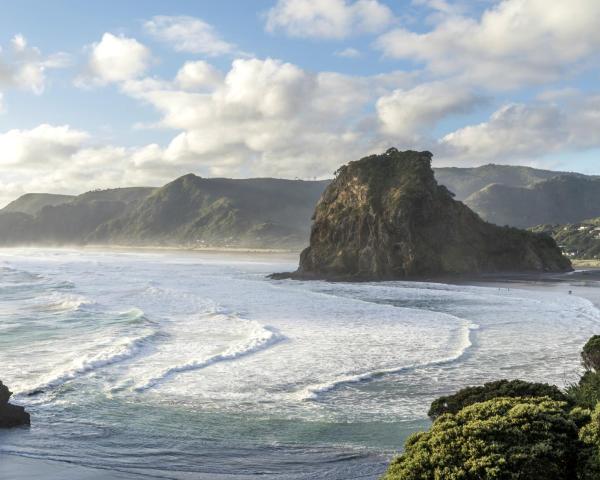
pixel 190 365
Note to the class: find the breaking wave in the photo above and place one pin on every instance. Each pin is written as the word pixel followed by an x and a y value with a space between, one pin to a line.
pixel 261 337
pixel 315 391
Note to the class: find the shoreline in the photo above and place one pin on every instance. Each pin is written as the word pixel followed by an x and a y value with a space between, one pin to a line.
pixel 166 248
pixel 17 467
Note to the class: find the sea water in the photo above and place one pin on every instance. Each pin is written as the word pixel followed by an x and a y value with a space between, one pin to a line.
pixel 196 365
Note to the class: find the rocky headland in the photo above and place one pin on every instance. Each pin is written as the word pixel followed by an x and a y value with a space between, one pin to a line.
pixel 385 217
pixel 11 415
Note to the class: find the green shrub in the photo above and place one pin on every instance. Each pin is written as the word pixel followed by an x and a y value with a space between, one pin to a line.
pixel 587 392
pixel 499 439
pixel 590 355
pixel 589 457
pixel 501 388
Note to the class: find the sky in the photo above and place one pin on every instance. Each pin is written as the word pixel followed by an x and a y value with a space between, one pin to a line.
pixel 129 93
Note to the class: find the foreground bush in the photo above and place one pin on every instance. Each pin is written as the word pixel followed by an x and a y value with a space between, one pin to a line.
pixel 499 439
pixel 501 388
pixel 590 355
pixel 589 457
pixel 586 393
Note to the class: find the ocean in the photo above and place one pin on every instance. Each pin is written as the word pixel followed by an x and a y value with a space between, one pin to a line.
pixel 193 365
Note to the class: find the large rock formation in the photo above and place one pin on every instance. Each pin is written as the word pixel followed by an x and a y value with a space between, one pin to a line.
pixel 385 217
pixel 10 415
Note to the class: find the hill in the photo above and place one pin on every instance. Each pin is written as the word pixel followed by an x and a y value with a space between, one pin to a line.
pixel 259 212
pixel 558 200
pixel 32 203
pixel 464 182
pixel 386 217
pixel 578 240
pixel 66 223
pixel 190 211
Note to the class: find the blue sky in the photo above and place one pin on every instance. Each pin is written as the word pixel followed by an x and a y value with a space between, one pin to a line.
pixel 98 94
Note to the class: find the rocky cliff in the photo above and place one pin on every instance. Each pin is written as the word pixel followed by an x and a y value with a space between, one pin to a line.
pixel 10 415
pixel 385 217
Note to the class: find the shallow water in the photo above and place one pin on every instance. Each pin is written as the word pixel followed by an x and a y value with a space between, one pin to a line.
pixel 176 364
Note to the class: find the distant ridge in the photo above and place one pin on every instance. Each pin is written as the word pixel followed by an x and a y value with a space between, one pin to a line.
pixel 272 213
pixel 190 211
pixel 32 203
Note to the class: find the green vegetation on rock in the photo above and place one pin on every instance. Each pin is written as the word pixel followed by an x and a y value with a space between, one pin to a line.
pixel 501 388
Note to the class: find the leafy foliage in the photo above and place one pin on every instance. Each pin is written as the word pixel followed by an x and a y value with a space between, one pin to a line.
pixel 501 388
pixel 499 439
pixel 586 393
pixel 590 355
pixel 589 458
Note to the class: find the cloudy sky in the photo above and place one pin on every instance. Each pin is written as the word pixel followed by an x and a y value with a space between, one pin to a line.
pixel 124 92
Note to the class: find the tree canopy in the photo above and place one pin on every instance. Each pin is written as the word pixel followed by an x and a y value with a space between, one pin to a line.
pixel 499 439
pixel 501 388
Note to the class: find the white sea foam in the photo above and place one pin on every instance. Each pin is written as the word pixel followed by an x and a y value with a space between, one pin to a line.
pixel 313 392
pixel 60 302
pixel 259 338
pixel 117 351
pixel 215 353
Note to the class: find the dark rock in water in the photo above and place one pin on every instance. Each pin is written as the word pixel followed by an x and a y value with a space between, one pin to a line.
pixel 11 415
pixel 385 217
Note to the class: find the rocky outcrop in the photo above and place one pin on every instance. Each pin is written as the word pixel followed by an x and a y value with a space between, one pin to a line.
pixel 385 217
pixel 10 415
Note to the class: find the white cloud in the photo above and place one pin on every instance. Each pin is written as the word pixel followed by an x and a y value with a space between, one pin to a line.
pixel 405 113
pixel 198 75
pixel 19 42
pixel 25 67
pixel 115 59
pixel 188 34
pixel 521 133
pixel 328 18
pixel 514 43
pixel 348 53
pixel 42 146
pixel 265 117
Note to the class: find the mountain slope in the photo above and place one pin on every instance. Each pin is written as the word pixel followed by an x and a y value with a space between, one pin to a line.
pixel 70 222
pixel 192 210
pixel 579 240
pixel 466 181
pixel 32 203
pixel 562 199
pixel 385 217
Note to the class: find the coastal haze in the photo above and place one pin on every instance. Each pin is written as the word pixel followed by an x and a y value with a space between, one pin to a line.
pixel 273 213
pixel 247 240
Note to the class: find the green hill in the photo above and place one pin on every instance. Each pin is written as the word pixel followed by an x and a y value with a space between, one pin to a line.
pixel 562 199
pixel 259 212
pixel 577 240
pixel 466 181
pixel 32 203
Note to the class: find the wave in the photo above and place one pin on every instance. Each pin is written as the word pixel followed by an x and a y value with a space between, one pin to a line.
pixel 261 338
pixel 313 392
pixel 58 302
pixel 122 350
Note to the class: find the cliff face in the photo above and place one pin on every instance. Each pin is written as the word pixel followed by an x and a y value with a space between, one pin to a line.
pixel 385 217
